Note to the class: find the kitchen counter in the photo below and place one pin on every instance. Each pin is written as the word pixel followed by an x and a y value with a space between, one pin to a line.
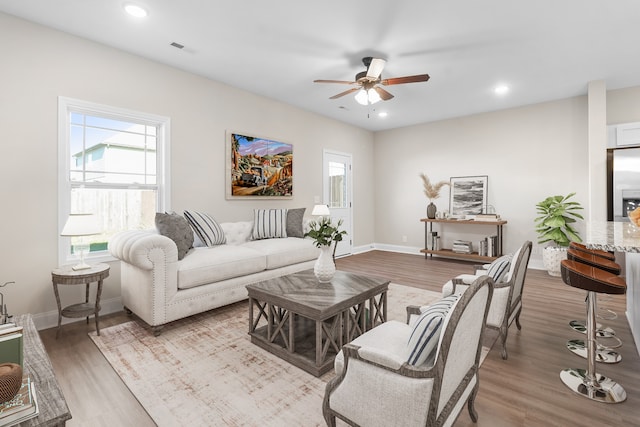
pixel 622 237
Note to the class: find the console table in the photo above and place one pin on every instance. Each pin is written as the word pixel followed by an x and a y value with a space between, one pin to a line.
pixel 53 409
pixel 448 253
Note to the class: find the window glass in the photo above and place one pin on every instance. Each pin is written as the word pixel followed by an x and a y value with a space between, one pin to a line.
pixel 111 170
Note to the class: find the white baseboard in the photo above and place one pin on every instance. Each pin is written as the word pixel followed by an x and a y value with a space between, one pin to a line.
pixel 49 319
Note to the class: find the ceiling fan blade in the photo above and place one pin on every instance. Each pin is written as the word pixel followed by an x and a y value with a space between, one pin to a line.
pixel 334 81
pixel 384 95
pixel 408 79
pixel 375 68
pixel 346 92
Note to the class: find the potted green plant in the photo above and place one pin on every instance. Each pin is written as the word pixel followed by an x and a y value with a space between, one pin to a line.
pixel 432 191
pixel 557 216
pixel 326 236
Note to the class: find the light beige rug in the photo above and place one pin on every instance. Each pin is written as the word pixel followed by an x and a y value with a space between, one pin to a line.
pixel 204 371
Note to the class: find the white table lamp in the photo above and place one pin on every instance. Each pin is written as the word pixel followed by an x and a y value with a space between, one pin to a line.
pixel 81 225
pixel 321 210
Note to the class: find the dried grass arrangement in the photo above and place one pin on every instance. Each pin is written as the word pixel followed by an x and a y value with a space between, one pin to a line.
pixel 432 191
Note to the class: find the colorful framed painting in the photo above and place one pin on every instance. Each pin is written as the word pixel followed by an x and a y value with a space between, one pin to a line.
pixel 468 195
pixel 258 167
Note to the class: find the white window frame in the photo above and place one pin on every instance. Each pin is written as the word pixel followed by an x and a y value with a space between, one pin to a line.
pixel 65 107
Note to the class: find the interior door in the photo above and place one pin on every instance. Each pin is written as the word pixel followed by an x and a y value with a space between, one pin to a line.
pixel 337 194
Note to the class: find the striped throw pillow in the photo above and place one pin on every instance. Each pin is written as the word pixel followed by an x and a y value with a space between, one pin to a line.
pixel 426 330
pixel 207 229
pixel 269 223
pixel 499 268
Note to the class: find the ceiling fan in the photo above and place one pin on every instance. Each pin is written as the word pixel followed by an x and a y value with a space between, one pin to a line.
pixel 368 90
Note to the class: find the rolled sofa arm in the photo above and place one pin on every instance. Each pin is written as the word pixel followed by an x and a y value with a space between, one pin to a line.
pixel 143 248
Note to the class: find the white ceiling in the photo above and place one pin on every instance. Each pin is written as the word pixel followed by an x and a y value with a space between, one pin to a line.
pixel 543 50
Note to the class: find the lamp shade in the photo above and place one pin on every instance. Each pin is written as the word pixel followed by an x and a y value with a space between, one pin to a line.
pixel 321 210
pixel 81 225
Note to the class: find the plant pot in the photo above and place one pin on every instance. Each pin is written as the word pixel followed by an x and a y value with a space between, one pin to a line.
pixel 551 258
pixel 324 268
pixel 431 210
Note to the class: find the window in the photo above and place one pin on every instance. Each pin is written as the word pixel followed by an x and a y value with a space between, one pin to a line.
pixel 112 164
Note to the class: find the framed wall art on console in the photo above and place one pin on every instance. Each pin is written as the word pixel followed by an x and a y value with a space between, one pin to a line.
pixel 468 195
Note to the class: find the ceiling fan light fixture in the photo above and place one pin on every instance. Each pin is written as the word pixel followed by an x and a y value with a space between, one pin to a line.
pixel 367 96
pixel 373 96
pixel 362 98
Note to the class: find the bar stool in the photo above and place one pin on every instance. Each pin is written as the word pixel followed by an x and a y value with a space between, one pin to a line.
pixel 593 260
pixel 597 252
pixel 602 254
pixel 604 353
pixel 587 382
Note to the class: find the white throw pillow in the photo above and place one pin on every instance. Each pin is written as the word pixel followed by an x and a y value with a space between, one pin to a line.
pixel 426 330
pixel 499 268
pixel 207 229
pixel 269 223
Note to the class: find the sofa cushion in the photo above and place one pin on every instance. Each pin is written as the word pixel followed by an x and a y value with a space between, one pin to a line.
pixel 177 229
pixel 208 265
pixel 237 233
pixel 269 223
pixel 294 222
pixel 206 228
pixel 282 252
pixel 426 330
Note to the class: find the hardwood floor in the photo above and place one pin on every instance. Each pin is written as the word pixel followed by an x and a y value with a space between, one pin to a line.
pixel 524 390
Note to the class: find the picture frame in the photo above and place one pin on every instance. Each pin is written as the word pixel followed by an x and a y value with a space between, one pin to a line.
pixel 468 195
pixel 258 167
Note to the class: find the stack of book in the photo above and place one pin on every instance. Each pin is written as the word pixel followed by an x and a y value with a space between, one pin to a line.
pixel 462 247
pixel 11 343
pixel 488 246
pixel 487 217
pixel 22 407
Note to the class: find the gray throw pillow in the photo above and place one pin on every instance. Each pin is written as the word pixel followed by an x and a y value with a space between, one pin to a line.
pixel 176 228
pixel 294 222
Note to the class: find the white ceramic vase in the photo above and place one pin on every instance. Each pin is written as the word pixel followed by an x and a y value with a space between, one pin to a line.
pixel 324 268
pixel 551 258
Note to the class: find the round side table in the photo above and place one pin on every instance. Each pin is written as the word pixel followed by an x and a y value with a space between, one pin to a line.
pixel 67 276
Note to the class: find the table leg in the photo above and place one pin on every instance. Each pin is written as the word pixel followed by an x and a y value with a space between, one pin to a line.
pixel 292 341
pixel 251 327
pixel 57 294
pixel 97 312
pixel 318 342
pixel 86 299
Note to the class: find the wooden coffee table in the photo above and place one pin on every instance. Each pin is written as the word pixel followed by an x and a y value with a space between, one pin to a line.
pixel 306 322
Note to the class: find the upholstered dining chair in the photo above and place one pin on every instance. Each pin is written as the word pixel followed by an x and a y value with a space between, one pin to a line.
pixel 377 384
pixel 506 304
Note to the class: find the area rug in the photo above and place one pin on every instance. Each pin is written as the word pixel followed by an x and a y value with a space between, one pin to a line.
pixel 204 371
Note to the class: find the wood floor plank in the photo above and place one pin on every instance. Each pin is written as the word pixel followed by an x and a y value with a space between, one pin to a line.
pixel 524 390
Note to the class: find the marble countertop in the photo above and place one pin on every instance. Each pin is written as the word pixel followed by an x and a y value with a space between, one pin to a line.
pixel 612 236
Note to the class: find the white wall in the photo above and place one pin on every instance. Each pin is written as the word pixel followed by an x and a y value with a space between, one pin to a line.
pixel 528 153
pixel 40 64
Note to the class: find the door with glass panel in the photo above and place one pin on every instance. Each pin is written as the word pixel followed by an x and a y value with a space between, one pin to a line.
pixel 337 194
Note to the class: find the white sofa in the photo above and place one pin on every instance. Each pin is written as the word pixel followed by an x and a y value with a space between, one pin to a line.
pixel 159 288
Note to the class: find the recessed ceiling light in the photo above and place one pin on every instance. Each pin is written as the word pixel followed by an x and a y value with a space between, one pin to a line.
pixel 383 114
pixel 135 10
pixel 501 89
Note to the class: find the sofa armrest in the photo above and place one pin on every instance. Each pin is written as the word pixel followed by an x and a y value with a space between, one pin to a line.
pixel 143 248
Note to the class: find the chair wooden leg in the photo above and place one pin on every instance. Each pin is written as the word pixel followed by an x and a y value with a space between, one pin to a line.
pixel 470 404
pixel 330 420
pixel 503 338
pixel 518 319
